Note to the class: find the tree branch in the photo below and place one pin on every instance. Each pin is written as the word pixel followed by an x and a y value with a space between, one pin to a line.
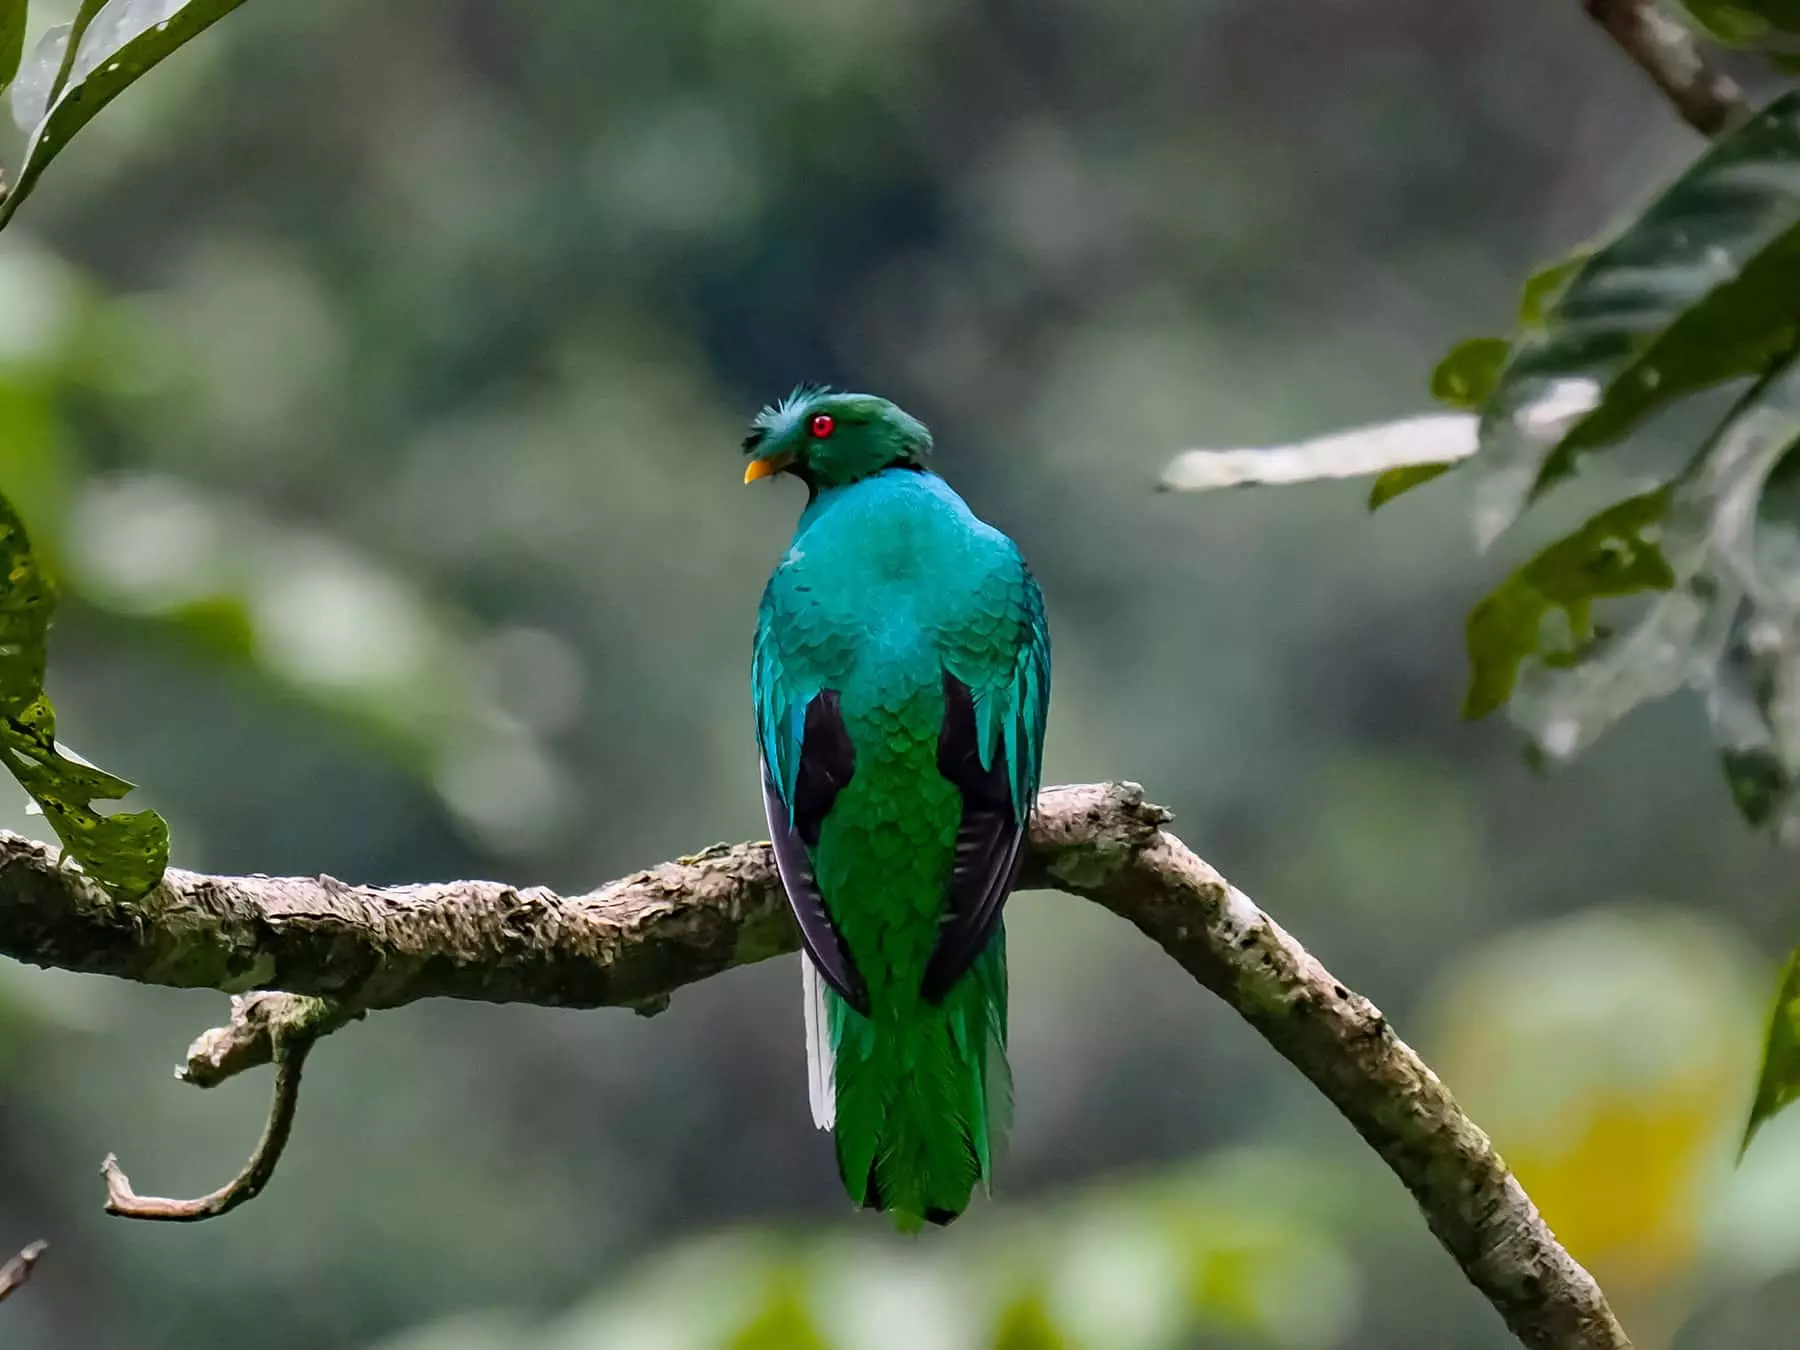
pixel 288 1028
pixel 18 1270
pixel 352 949
pixel 1669 54
pixel 259 1022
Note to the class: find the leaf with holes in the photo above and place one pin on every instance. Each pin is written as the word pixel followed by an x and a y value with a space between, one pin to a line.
pixel 1702 288
pixel 126 852
pixel 1612 555
pixel 120 42
pixel 1728 626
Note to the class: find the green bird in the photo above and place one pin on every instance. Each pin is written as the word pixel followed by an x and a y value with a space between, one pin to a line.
pixel 902 681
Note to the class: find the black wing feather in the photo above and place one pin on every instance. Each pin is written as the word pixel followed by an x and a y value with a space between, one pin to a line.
pixel 989 845
pixel 827 761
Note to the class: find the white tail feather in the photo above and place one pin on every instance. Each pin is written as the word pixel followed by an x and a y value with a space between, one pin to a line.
pixel 821 1077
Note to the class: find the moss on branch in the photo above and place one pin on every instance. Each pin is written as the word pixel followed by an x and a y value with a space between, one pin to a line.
pixel 325 952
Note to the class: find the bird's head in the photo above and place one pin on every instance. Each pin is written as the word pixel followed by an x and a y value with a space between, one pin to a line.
pixel 828 439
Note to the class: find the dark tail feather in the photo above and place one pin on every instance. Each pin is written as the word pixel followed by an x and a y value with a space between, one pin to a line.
pixel 873 1199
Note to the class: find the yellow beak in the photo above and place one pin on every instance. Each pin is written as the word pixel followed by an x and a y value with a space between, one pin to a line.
pixel 766 468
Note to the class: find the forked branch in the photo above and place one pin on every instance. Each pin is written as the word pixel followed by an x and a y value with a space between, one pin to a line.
pixel 289 1029
pixel 339 951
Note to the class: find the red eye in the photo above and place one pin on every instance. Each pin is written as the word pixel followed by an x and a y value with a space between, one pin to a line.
pixel 822 426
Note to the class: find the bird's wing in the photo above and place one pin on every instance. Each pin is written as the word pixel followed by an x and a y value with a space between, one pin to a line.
pixel 997 701
pixel 806 761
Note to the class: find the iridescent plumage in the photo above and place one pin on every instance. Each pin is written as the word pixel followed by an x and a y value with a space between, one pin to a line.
pixel 901 683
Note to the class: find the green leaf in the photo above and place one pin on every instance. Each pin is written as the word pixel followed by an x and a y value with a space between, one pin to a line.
pixel 1611 555
pixel 1729 21
pixel 127 852
pixel 1703 287
pixel 1434 439
pixel 1544 286
pixel 123 41
pixel 30 96
pixel 1746 23
pixel 1470 371
pixel 1403 479
pixel 1466 376
pixel 1779 1082
pixel 1741 703
pixel 12 39
pixel 1753 696
pixel 1405 453
pixel 1726 627
pixel 84 18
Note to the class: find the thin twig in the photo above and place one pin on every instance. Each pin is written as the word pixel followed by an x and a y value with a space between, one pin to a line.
pixel 633 942
pixel 1708 100
pixel 258 1021
pixel 18 1270
pixel 290 1055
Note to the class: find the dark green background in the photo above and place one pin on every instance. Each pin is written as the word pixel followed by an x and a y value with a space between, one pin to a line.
pixel 373 376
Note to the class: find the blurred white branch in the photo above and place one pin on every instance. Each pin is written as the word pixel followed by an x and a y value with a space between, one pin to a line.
pixel 340 950
pixel 1671 55
pixel 1431 438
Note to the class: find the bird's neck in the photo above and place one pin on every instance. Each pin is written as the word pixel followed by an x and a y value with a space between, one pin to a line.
pixel 897 481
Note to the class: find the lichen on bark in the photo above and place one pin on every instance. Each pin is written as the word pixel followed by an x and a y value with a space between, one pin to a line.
pixel 326 952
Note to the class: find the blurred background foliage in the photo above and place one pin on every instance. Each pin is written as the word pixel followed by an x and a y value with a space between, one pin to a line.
pixel 371 376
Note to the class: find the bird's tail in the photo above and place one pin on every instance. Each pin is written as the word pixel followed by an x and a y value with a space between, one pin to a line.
pixel 919 1096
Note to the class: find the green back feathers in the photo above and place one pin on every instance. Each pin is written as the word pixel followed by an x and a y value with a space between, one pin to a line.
pixel 901 683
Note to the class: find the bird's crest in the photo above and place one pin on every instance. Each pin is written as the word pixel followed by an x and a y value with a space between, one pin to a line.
pixel 772 413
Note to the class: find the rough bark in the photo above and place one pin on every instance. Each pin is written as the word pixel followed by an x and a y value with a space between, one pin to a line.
pixel 1669 54
pixel 337 951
